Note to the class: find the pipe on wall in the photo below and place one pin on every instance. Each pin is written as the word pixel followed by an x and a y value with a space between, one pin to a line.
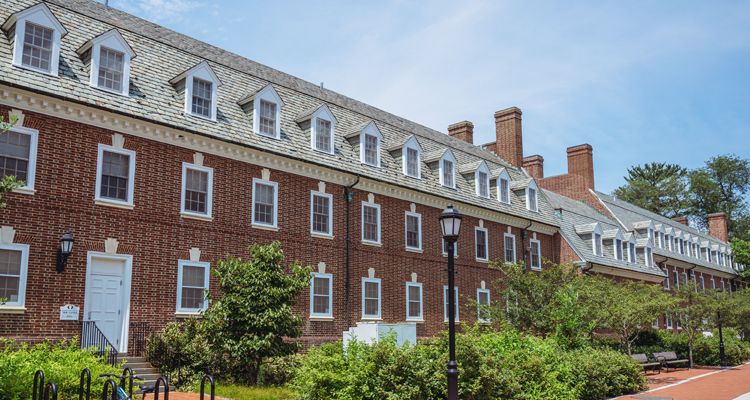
pixel 348 196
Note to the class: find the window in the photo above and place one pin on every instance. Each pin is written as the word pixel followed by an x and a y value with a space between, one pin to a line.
pixel 713 257
pixel 323 135
pixel 679 321
pixel 531 200
pixel 536 262
pixel 484 184
pixel 503 188
pixel 696 251
pixel 598 244
pixel 201 85
pixel 265 200
pixel 445 248
pixel 18 155
pixel 713 284
pixel 37 47
pixel 114 178
pixel 666 280
pixel 510 248
pixel 370 298
pixel 703 284
pixel 111 66
pixel 708 254
pixel 413 301
pixel 448 173
pixel 320 295
pixel 483 303
pixel 649 257
pixel 267 118
pixel 14 262
pixel 480 238
pixel 413 231
pixel 445 301
pixel 675 279
pixel 631 252
pixel 655 324
pixel 668 317
pixel 651 234
pixel 192 286
pixel 661 240
pixel 410 156
pixel 321 210
pixel 688 249
pixel 412 162
pixel 197 187
pixel 370 222
pixel 684 277
pixel 722 286
pixel 682 246
pixel 372 150
pixel 618 249
pixel 266 108
pixel 201 102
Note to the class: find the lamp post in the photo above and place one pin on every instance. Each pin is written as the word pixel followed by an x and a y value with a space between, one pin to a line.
pixel 450 223
pixel 721 339
pixel 66 247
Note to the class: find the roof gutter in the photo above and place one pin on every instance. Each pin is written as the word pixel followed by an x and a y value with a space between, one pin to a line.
pixel 586 270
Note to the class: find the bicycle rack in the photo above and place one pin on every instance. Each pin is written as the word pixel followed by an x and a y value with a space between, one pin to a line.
pixel 213 386
pixel 87 374
pixel 50 385
pixel 127 372
pixel 156 388
pixel 38 376
pixel 113 385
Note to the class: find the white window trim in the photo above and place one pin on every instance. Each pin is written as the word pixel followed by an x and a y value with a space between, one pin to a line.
pixel 662 240
pixel 597 244
pixel 380 298
pixel 131 176
pixel 447 156
pixel 676 281
pixel 615 243
pixel 482 168
pixel 668 322
pixel 685 277
pixel 510 235
pixel 486 243
pixel 666 272
pixel 703 283
pixel 648 259
pixel 455 249
pixel 330 295
pixel 20 305
pixel 325 114
pixel 632 255
pixel 42 16
pixel 114 41
pixel 445 301
pixel 489 301
pixel 499 190
pixel 180 266
pixel 362 222
pixel 532 185
pixel 275 204
pixel 268 94
pixel 203 72
pixel 370 130
pixel 28 187
pixel 538 243
pixel 713 283
pixel 209 191
pixel 314 193
pixel 414 145
pixel 406 227
pixel 421 302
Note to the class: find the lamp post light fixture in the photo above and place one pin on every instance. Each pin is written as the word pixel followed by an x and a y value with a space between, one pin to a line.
pixel 450 223
pixel 721 339
pixel 64 251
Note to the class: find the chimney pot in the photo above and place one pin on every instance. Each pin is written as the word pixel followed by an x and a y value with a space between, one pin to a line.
pixel 462 131
pixel 717 226
pixel 581 162
pixel 509 137
pixel 534 166
pixel 682 220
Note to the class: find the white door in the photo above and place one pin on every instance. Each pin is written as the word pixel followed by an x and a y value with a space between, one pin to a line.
pixel 105 298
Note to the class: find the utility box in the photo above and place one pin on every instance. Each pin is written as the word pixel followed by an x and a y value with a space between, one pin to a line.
pixel 371 332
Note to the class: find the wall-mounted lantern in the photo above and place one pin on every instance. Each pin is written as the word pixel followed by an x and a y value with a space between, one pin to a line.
pixel 66 247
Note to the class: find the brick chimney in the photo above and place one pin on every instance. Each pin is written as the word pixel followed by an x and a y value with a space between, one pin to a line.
pixel 462 131
pixel 581 162
pixel 534 166
pixel 717 226
pixel 509 145
pixel 682 220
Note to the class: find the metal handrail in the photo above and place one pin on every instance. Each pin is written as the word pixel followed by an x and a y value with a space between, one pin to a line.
pixel 91 336
pixel 164 358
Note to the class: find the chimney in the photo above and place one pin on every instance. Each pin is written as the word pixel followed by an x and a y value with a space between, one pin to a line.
pixel 509 145
pixel 534 166
pixel 682 220
pixel 581 162
pixel 717 226
pixel 462 131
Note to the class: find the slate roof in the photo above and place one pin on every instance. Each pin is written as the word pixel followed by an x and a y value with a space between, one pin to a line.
pixel 577 214
pixel 628 215
pixel 164 54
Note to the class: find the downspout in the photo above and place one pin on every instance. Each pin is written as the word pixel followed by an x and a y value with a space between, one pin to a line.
pixel 586 270
pixel 523 245
pixel 348 196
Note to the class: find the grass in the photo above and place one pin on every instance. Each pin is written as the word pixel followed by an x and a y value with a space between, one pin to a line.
pixel 238 392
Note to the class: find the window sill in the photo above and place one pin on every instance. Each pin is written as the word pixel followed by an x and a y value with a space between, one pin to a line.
pixel 447 322
pixel 415 321
pixel 265 227
pixel 50 74
pixel 479 260
pixel 187 314
pixel 24 191
pixel 321 236
pixel 12 310
pixel 114 204
pixel 371 319
pixel 446 255
pixel 198 217
pixel 484 322
pixel 372 244
pixel 420 251
pixel 536 268
pixel 320 318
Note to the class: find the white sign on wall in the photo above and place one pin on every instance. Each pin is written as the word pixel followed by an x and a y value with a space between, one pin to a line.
pixel 69 312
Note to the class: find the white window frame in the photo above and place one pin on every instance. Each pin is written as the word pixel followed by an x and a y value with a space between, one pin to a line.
pixel 668 318
pixel 618 249
pixel 268 93
pixel 489 302
pixel 112 40
pixel 648 256
pixel 533 242
pixel 39 15
pixel 408 214
pixel 203 72
pixel 421 302
pixel 455 249
pixel 28 187
pixel 500 190
pixel 486 244
pixel 370 130
pixel 414 145
pixel 362 222
pixel 131 176
pixel 676 278
pixel 323 113
pixel 209 192
pixel 685 277
pixel 445 301
pixel 314 193
pixel 713 283
pixel 477 183
pixel 703 283
pixel 597 242
pixel 532 186
pixel 330 295
pixel 18 306
pixel 723 287
pixel 207 274
pixel 447 156
pixel 666 281
pixel 380 298
pixel 275 185
pixel 512 236
pixel 632 256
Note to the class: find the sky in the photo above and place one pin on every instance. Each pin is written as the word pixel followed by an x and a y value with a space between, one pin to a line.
pixel 665 81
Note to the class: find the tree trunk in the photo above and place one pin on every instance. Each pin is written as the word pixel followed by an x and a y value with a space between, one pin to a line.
pixel 253 370
pixel 628 341
pixel 690 350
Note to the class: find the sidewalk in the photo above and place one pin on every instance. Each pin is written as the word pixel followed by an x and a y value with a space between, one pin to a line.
pixel 698 384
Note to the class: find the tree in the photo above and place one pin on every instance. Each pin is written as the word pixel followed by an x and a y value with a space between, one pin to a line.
pixel 657 187
pixel 721 186
pixel 695 309
pixel 741 255
pixel 629 307
pixel 9 182
pixel 254 314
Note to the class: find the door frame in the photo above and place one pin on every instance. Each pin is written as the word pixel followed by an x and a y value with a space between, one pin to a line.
pixel 126 279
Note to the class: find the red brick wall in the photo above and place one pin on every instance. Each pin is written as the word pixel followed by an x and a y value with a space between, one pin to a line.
pixel 509 144
pixel 534 165
pixel 717 226
pixel 574 187
pixel 156 236
pixel 462 131
pixel 581 162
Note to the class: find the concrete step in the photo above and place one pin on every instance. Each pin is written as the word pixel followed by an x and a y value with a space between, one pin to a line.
pixel 138 365
pixel 133 359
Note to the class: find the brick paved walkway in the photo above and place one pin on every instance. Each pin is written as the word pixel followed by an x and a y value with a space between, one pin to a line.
pixel 698 384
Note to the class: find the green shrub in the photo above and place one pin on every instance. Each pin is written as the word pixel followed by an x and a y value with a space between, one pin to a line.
pixel 280 370
pixel 61 363
pixel 602 373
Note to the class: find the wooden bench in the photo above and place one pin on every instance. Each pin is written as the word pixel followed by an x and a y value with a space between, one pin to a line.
pixel 641 358
pixel 669 357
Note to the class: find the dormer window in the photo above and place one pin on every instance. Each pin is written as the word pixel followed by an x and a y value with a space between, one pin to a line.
pixel 631 252
pixel 266 110
pixel 649 256
pixel 651 234
pixel 110 56
pixel 448 170
pixel 36 44
pixel 202 98
pixel 661 240
pixel 371 153
pixel 411 162
pixel 323 135
pixel 618 249
pixel 598 250
pixel 322 128
pixel 532 197
pixel 366 137
pixel 503 185
pixel 477 173
pixel 201 88
pixel 483 184
pixel 682 246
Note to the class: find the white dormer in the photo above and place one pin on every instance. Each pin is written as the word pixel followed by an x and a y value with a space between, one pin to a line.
pixel 322 128
pixel 479 173
pixel 532 197
pixel 36 42
pixel 649 254
pixel 266 111
pixel 503 185
pixel 697 247
pixel 201 88
pixel 617 246
pixel 596 238
pixel 448 169
pixel 631 249
pixel 411 157
pixel 662 243
pixel 110 62
pixel 370 140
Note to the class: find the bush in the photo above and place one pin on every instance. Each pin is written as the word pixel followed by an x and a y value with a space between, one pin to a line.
pixel 280 370
pixel 61 363
pixel 602 373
